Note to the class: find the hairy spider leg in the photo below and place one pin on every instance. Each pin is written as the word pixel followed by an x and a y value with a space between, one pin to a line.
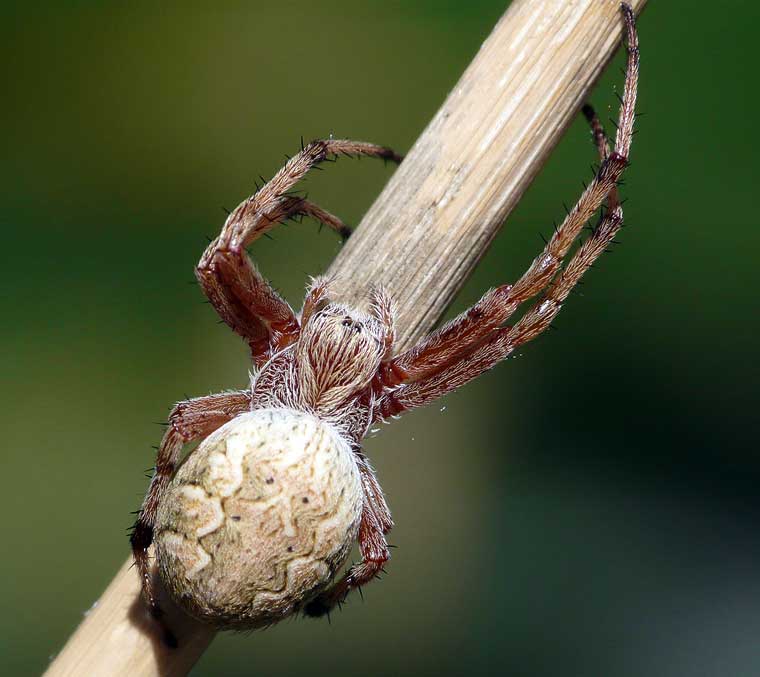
pixel 600 139
pixel 189 421
pixel 476 340
pixel 374 552
pixel 373 494
pixel 238 292
pixel 376 521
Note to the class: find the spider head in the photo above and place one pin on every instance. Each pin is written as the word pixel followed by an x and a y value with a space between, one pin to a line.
pixel 338 352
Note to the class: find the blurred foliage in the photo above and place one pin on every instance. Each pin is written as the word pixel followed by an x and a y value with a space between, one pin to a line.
pixel 589 508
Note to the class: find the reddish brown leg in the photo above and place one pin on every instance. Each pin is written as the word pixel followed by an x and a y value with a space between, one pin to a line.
pixel 460 336
pixel 243 299
pixel 500 343
pixel 603 147
pixel 189 421
pixel 375 554
pixel 475 341
pixel 373 494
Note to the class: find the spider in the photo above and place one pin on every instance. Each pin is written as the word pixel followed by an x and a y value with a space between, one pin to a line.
pixel 257 521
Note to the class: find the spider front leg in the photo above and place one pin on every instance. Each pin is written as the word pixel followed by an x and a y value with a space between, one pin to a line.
pixel 189 421
pixel 374 552
pixel 241 296
pixel 476 340
pixel 459 337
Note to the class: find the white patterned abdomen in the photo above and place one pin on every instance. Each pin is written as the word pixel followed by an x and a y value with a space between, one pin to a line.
pixel 259 518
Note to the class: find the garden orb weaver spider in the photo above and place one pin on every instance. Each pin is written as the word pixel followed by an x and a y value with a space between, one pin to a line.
pixel 257 521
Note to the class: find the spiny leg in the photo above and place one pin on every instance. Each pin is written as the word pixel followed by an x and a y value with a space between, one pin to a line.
pixel 503 341
pixel 189 421
pixel 373 494
pixel 474 342
pixel 464 333
pixel 243 299
pixel 603 147
pixel 374 552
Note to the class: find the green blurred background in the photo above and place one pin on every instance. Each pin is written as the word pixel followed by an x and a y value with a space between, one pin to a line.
pixel 588 509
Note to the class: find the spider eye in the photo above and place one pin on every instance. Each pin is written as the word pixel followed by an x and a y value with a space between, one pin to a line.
pixel 351 324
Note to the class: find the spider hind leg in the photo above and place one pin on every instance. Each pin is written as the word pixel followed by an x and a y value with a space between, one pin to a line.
pixel 189 421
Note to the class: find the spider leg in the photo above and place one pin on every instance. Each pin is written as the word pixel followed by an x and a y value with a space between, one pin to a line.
pixel 374 552
pixel 502 342
pixel 476 340
pixel 241 296
pixel 603 147
pixel 458 337
pixel 188 421
pixel 373 494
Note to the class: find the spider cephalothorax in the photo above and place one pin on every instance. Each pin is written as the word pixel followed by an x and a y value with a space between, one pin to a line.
pixel 257 521
pixel 331 364
pixel 337 355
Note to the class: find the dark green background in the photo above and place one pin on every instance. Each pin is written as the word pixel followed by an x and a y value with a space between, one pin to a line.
pixel 588 509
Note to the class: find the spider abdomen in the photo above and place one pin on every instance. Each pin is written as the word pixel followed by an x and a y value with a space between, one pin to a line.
pixel 259 518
